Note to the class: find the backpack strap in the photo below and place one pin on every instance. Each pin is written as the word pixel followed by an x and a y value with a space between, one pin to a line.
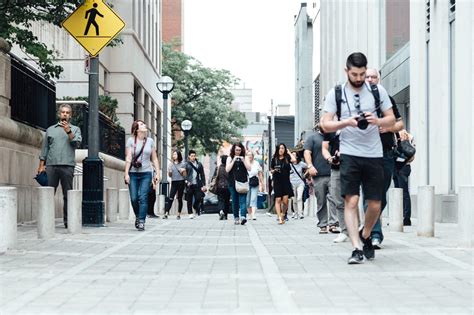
pixel 338 93
pixel 375 92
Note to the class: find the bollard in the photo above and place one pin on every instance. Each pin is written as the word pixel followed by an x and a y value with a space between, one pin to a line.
pixel 112 196
pixel 8 218
pixel 426 215
pixel 465 215
pixel 395 209
pixel 74 211
pixel 161 204
pixel 44 196
pixel 124 204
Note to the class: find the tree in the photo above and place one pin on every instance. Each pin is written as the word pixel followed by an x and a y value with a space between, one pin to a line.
pixel 202 95
pixel 17 19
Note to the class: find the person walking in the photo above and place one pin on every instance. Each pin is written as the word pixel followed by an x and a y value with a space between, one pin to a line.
pixel 360 149
pixel 141 161
pixel 320 171
pixel 177 172
pixel 255 184
pixel 57 155
pixel 400 177
pixel 298 183
pixel 280 169
pixel 222 189
pixel 195 184
pixel 237 167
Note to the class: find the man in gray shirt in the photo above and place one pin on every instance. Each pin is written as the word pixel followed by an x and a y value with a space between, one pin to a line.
pixel 58 153
pixel 360 148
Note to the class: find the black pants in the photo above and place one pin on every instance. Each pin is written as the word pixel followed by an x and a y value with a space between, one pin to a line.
pixel 177 187
pixel 224 201
pixel 400 178
pixel 151 201
pixel 65 174
pixel 194 192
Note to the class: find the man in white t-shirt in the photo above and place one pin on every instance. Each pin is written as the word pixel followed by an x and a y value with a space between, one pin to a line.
pixel 360 148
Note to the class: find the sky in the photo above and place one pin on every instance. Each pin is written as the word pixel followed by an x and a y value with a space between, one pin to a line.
pixel 253 39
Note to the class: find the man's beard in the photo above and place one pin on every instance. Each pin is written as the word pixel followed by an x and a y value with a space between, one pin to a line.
pixel 355 84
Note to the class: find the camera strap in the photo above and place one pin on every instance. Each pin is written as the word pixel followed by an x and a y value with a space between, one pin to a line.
pixel 294 168
pixel 135 157
pixel 338 89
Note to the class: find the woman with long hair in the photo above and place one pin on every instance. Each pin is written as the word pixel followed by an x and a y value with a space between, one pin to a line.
pixel 298 182
pixel 140 161
pixel 177 172
pixel 255 184
pixel 223 193
pixel 237 167
pixel 280 169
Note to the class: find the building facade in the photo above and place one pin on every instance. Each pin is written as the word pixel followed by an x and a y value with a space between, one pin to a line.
pixel 172 26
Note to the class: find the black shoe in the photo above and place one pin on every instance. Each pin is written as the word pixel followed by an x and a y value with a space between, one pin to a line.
pixel 178 217
pixel 165 216
pixel 136 223
pixel 141 226
pixel 154 216
pixel 368 248
pixel 244 220
pixel 356 257
pixel 65 225
pixel 221 215
pixel 406 222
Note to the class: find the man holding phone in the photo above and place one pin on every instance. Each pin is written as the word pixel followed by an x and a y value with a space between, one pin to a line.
pixel 57 156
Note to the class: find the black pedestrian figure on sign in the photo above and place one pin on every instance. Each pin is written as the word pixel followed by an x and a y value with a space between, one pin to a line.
pixel 92 14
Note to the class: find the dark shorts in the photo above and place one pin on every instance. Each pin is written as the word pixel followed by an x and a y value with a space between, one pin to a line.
pixel 361 170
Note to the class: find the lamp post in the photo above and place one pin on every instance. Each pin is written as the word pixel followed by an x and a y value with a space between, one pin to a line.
pixel 165 85
pixel 186 126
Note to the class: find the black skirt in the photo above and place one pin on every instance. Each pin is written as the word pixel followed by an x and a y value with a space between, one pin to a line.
pixel 282 188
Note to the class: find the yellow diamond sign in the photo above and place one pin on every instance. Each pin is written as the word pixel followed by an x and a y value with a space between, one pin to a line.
pixel 93 24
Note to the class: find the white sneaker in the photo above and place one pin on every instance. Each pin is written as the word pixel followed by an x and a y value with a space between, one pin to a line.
pixel 341 238
pixel 191 216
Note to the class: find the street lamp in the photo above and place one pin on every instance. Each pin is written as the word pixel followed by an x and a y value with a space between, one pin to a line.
pixel 186 126
pixel 165 85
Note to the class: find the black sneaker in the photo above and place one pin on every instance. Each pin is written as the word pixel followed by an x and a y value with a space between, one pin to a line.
pixel 165 216
pixel 368 248
pixel 136 223
pixel 141 226
pixel 221 215
pixel 244 220
pixel 356 257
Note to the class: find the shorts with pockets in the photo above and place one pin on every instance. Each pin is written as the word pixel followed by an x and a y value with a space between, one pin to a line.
pixel 362 170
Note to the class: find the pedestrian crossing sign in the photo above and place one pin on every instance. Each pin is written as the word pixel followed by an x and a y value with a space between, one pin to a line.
pixel 93 24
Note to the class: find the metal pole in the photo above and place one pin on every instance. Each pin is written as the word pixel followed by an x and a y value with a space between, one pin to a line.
pixel 186 149
pixel 164 167
pixel 93 170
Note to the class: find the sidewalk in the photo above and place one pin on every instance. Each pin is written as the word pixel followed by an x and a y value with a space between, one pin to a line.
pixel 206 266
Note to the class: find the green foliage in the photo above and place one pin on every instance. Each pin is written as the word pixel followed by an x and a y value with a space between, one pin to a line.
pixel 202 95
pixel 107 105
pixel 15 27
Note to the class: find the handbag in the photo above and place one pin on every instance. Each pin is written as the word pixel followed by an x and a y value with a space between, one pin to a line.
pixel 253 181
pixel 242 187
pixel 404 149
pixel 213 185
pixel 306 186
pixel 42 178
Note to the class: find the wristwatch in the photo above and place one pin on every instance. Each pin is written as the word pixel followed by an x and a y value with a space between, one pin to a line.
pixel 69 132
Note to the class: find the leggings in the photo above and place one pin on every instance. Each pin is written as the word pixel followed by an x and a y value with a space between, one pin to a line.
pixel 177 186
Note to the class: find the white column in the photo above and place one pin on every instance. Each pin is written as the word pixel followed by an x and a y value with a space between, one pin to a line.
pixel 74 211
pixel 8 218
pixel 466 216
pixel 44 198
pixel 425 204
pixel 395 209
pixel 112 204
pixel 124 204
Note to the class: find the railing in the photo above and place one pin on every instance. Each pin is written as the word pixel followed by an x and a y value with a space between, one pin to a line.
pixel 32 96
pixel 111 135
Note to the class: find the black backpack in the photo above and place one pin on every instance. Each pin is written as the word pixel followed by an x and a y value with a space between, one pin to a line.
pixel 375 92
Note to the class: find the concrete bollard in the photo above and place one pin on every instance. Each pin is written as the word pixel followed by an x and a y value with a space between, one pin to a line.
pixel 161 204
pixel 124 204
pixel 74 211
pixel 112 196
pixel 395 209
pixel 8 218
pixel 426 211
pixel 44 196
pixel 466 216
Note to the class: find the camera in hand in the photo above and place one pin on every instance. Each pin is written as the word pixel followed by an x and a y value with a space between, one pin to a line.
pixel 362 122
pixel 136 164
pixel 277 168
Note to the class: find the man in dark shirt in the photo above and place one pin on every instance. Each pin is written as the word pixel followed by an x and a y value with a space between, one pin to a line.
pixel 387 137
pixel 195 184
pixel 320 171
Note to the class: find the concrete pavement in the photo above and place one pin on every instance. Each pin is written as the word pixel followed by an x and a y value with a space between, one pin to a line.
pixel 206 266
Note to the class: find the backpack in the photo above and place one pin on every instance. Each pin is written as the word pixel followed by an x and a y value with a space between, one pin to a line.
pixel 373 89
pixel 222 180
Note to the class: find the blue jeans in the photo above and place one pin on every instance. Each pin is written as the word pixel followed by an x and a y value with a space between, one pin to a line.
pixel 238 201
pixel 139 187
pixel 388 167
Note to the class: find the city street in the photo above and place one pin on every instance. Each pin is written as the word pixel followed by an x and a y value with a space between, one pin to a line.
pixel 207 266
